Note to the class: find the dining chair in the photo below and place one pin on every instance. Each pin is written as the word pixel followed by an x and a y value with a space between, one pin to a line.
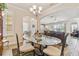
pixel 24 49
pixel 55 51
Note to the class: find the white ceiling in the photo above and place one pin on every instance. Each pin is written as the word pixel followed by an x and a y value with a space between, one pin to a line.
pixel 62 15
pixel 59 15
pixel 67 13
pixel 27 6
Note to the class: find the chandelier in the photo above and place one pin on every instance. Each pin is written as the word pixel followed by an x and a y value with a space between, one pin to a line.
pixel 36 10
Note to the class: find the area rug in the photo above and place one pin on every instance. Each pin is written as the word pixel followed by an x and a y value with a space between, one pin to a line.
pixel 37 53
pixel 15 53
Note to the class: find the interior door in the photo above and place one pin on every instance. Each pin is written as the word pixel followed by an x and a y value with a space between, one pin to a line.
pixel 1 33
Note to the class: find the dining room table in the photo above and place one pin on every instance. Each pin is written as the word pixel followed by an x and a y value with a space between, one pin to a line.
pixel 43 41
pixel 47 40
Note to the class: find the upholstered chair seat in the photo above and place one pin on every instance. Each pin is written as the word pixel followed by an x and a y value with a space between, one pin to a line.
pixel 26 49
pixel 54 51
pixel 58 50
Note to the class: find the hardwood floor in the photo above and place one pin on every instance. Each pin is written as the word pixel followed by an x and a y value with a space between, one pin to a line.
pixel 7 51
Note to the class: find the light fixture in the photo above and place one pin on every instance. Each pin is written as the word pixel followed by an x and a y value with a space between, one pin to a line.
pixel 31 9
pixel 40 8
pixel 34 6
pixel 36 10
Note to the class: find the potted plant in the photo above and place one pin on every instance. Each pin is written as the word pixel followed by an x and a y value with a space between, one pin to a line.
pixel 2 8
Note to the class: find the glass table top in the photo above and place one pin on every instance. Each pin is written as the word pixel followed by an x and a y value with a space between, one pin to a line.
pixel 44 40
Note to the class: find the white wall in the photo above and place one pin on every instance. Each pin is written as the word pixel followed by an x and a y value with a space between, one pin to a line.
pixel 17 15
pixel 73 20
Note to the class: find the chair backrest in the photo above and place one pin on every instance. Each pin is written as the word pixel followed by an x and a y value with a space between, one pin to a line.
pixel 59 35
pixel 63 44
pixel 18 48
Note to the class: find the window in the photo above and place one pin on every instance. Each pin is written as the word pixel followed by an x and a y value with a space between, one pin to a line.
pixel 58 27
pixel 8 29
pixel 55 27
pixel 25 24
pixel 74 27
pixel 9 24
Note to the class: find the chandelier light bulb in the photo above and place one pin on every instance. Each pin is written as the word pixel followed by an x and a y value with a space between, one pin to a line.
pixel 35 9
pixel 34 6
pixel 31 9
pixel 40 8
